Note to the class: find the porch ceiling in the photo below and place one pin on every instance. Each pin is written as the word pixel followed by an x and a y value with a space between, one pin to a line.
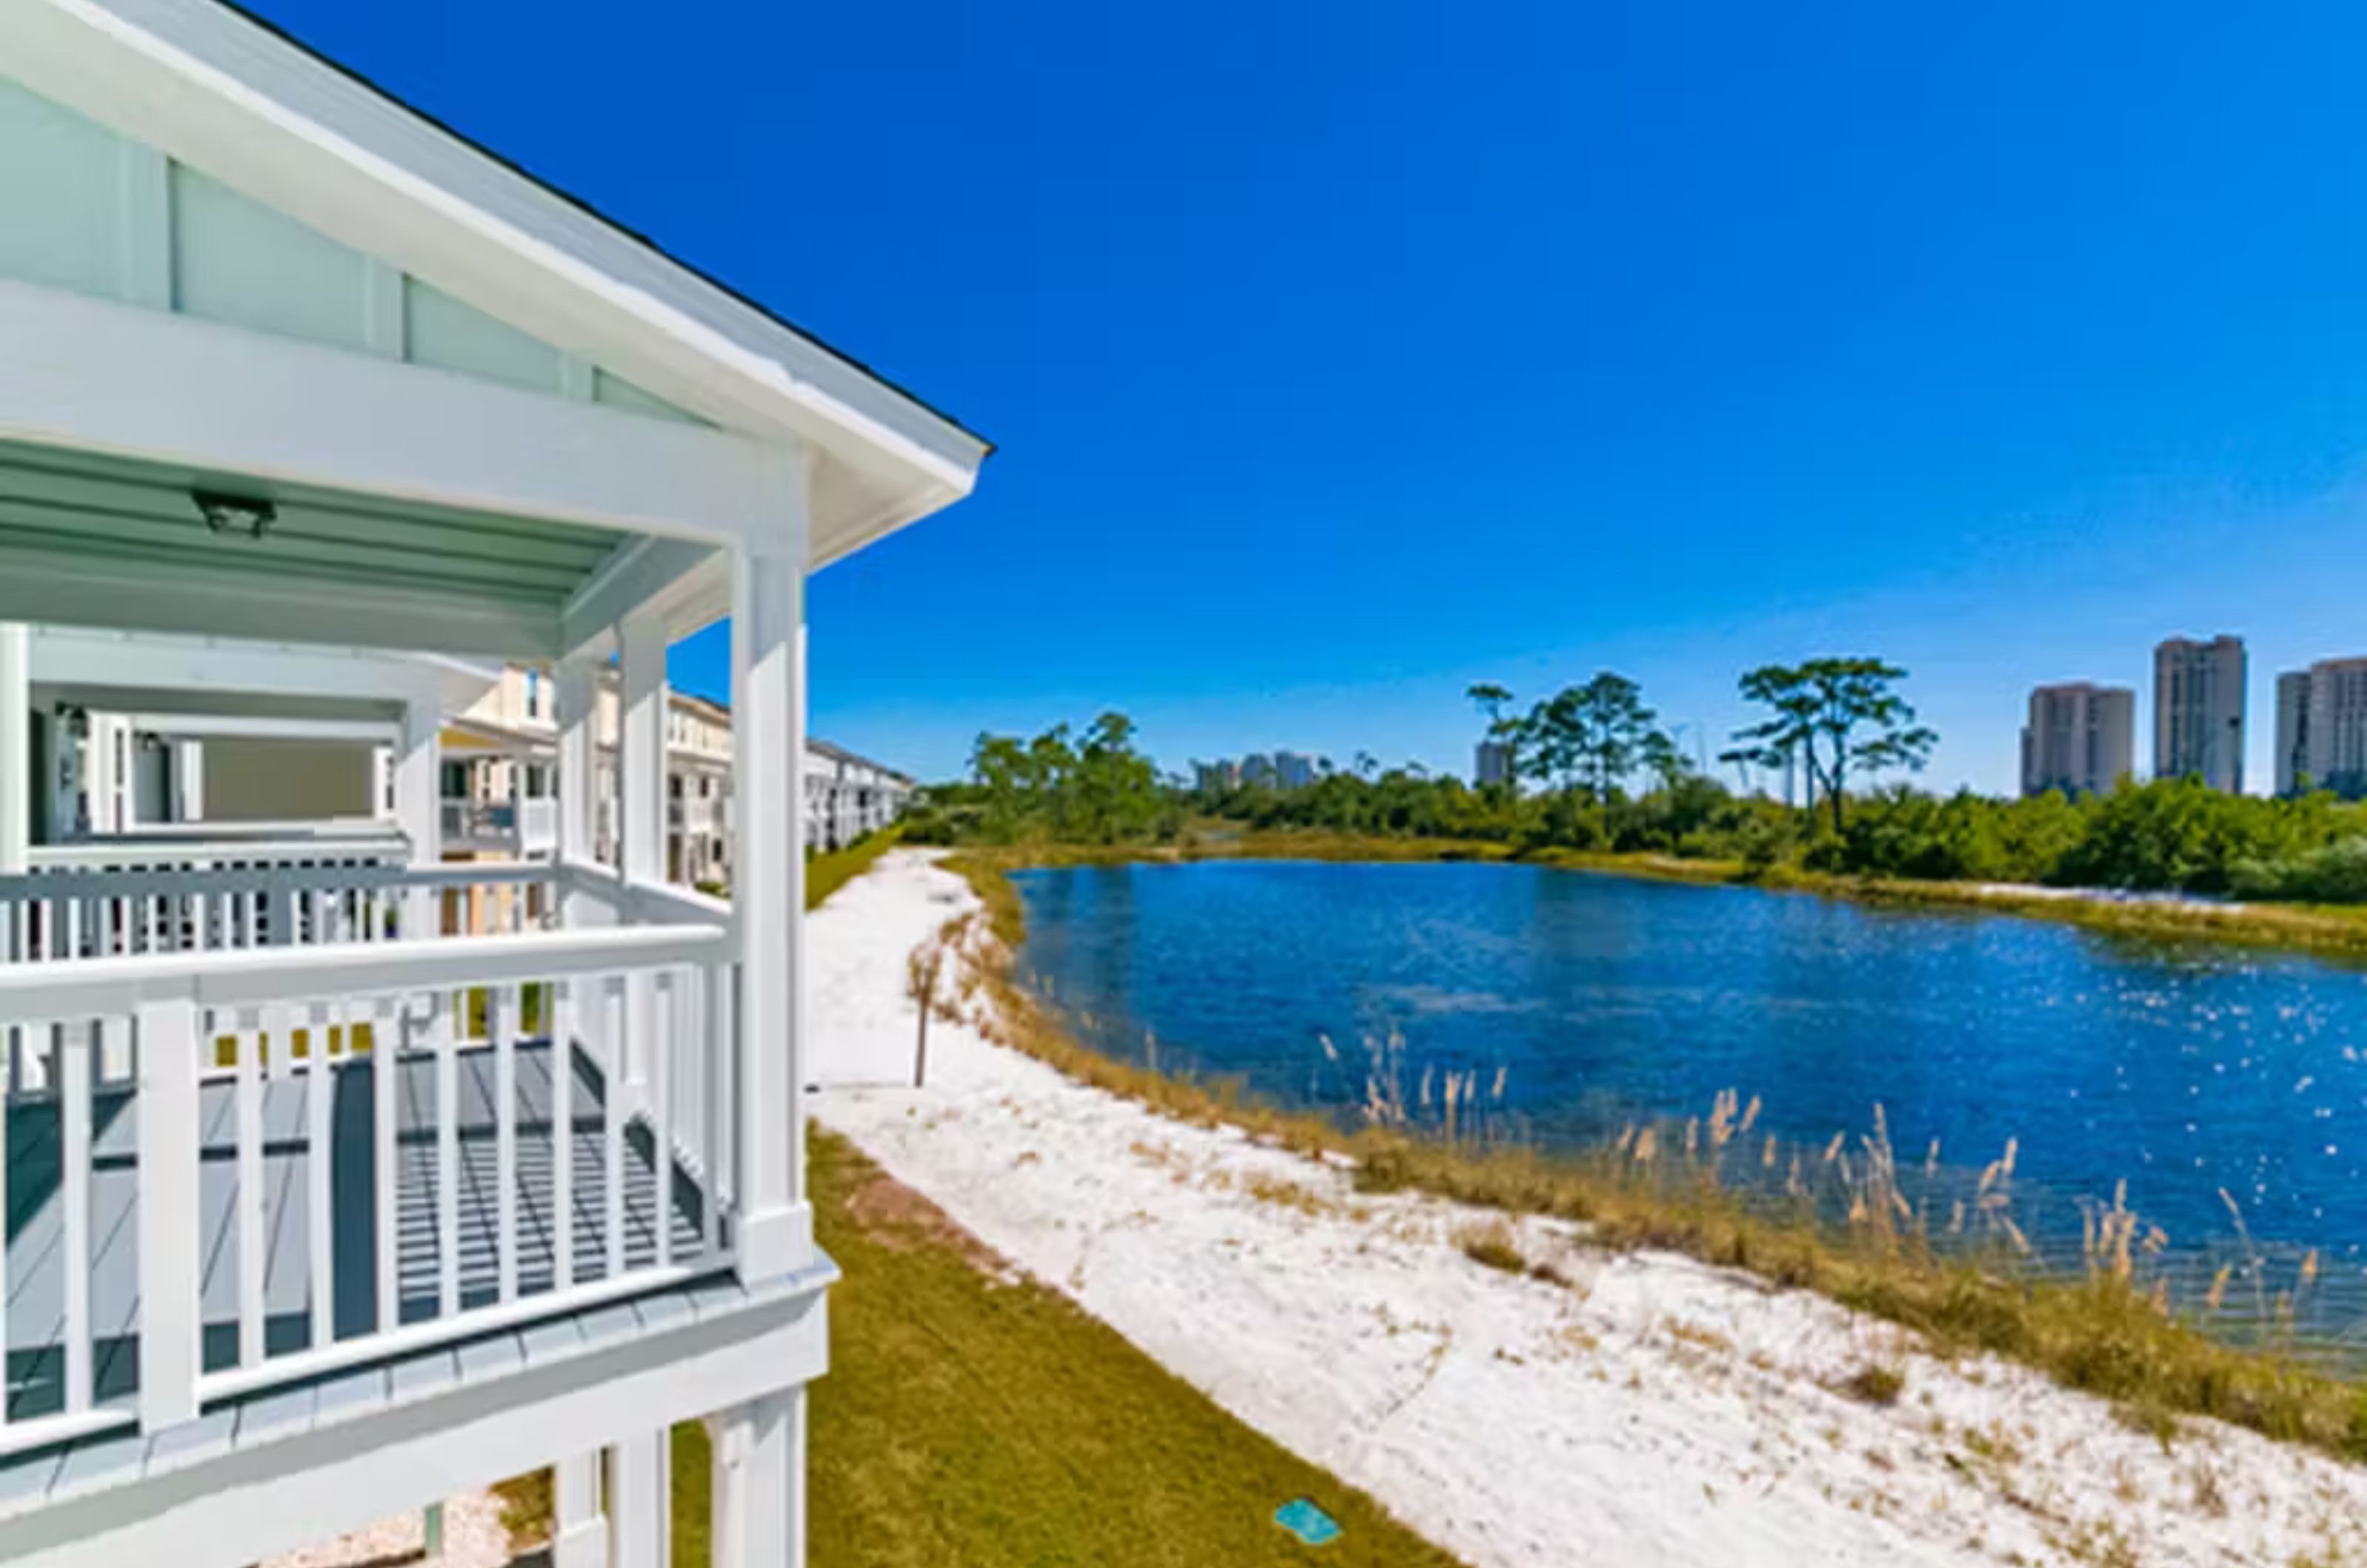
pixel 55 500
pixel 329 565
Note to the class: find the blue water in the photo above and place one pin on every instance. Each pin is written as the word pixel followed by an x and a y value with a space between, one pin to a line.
pixel 2181 1068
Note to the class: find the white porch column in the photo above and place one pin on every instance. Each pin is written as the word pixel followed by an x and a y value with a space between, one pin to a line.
pixel 642 751
pixel 579 1534
pixel 419 810
pixel 760 1482
pixel 642 791
pixel 102 777
pixel 574 706
pixel 768 899
pixel 16 746
pixel 188 780
pixel 640 1495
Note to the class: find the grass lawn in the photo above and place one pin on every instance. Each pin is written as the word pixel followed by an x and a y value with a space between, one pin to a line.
pixel 972 1418
pixel 966 1420
pixel 976 1418
pixel 825 874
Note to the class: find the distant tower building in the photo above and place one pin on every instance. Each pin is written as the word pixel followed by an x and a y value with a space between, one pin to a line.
pixel 1215 778
pixel 1257 768
pixel 1294 769
pixel 2321 728
pixel 1491 762
pixel 2292 732
pixel 2198 711
pixel 2081 739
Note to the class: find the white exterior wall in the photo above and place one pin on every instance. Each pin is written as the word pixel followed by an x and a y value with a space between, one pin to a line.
pixel 81 201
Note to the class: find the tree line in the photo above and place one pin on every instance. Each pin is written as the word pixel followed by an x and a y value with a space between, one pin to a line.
pixel 1602 774
pixel 1830 719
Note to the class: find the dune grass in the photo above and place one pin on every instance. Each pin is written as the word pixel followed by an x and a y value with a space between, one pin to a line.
pixel 2107 1330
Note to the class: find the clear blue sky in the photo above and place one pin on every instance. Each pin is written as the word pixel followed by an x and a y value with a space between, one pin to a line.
pixel 1341 354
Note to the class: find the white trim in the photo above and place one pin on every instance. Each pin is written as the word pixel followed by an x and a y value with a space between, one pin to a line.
pixel 683 584
pixel 278 1493
pixel 385 320
pixel 144 264
pixel 16 763
pixel 266 727
pixel 96 377
pixel 90 987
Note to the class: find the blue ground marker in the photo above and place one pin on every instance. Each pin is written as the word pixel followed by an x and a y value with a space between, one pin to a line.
pixel 1310 1524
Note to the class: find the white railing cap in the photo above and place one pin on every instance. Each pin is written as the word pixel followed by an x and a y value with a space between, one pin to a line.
pixel 81 988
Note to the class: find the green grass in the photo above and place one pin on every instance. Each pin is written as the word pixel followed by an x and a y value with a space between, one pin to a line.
pixel 966 1420
pixel 973 1418
pixel 825 874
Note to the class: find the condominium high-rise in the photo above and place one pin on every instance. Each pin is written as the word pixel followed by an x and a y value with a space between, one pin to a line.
pixel 2292 732
pixel 1491 762
pixel 2322 729
pixel 1215 778
pixel 2198 711
pixel 1295 769
pixel 2081 739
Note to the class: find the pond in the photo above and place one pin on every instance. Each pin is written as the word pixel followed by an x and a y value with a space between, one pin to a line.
pixel 2187 1070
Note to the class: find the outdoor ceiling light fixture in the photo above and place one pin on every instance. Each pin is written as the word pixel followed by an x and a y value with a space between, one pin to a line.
pixel 239 516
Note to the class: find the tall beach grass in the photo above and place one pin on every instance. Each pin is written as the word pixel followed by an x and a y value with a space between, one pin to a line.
pixel 1939 1251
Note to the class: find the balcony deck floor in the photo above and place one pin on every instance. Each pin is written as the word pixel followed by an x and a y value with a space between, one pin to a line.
pixel 35 1308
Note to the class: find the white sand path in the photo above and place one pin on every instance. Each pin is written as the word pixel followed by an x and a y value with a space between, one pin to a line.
pixel 1652 1411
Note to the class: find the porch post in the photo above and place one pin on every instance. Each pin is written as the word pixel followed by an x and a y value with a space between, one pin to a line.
pixel 641 1500
pixel 102 780
pixel 16 746
pixel 642 751
pixel 760 1482
pixel 418 808
pixel 579 1530
pixel 768 892
pixel 577 759
pixel 188 780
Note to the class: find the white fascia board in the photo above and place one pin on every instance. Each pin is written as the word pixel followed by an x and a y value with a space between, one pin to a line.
pixel 96 377
pixel 76 656
pixel 244 727
pixel 217 93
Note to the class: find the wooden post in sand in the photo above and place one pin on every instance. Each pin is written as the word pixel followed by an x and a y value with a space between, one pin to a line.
pixel 921 969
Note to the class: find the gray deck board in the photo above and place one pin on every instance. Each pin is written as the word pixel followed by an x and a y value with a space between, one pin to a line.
pixel 34 1312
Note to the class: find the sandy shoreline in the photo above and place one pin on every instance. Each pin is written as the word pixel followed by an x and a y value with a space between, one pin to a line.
pixel 1650 1411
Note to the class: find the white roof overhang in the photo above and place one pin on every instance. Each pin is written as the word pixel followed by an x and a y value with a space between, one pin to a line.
pixel 805 445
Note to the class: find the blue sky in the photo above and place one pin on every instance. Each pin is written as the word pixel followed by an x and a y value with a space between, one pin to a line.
pixel 1342 355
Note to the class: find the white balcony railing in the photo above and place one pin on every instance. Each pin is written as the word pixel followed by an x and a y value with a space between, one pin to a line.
pixel 528 826
pixel 269 1122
